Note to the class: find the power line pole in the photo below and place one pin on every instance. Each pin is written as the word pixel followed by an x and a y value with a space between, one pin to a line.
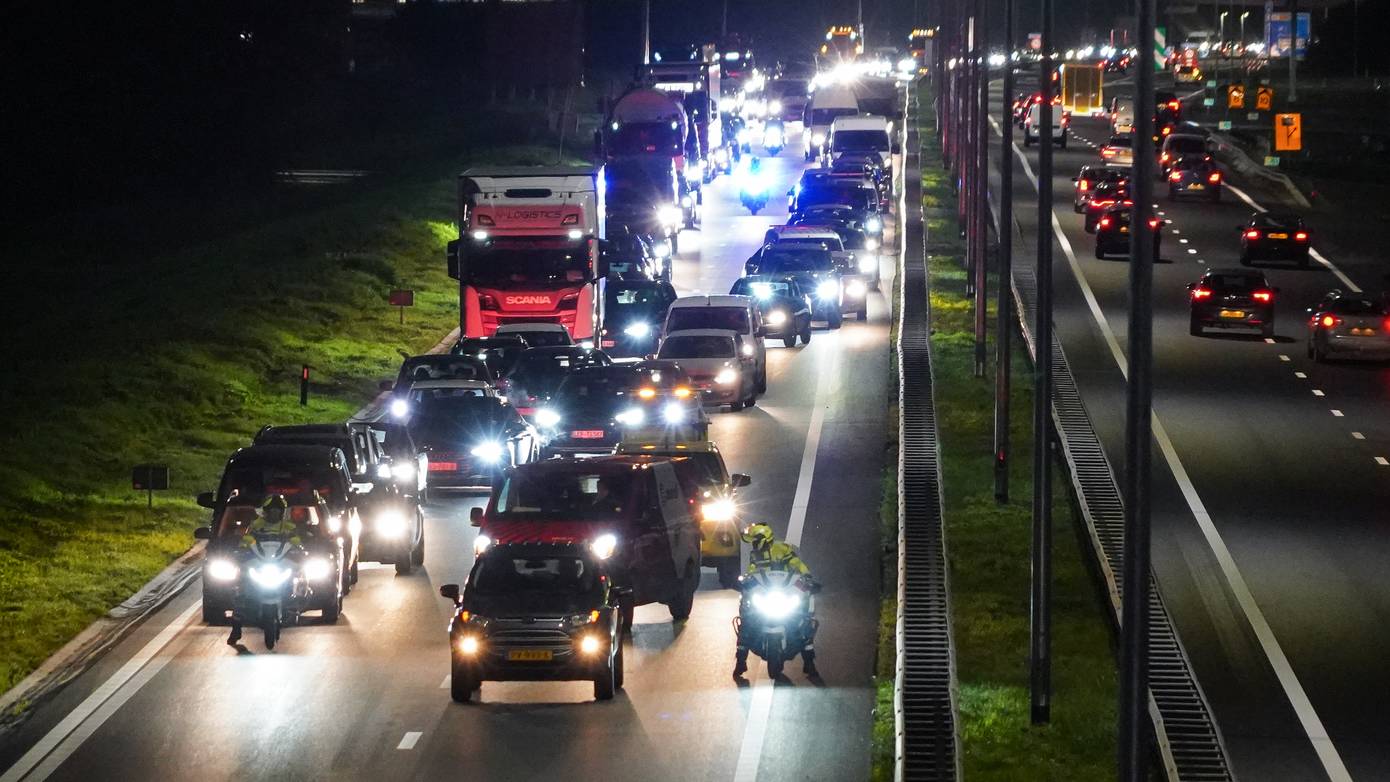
pixel 1040 642
pixel 1293 51
pixel 1004 331
pixel 981 167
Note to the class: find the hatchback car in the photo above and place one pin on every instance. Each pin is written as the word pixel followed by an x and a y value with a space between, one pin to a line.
pixel 720 364
pixel 1269 236
pixel 1232 298
pixel 539 372
pixel 1348 325
pixel 1113 229
pixel 785 307
pixel 1194 175
pixel 1093 181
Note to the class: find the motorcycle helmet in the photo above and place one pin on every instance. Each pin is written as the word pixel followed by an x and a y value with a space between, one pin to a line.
pixel 274 508
pixel 758 535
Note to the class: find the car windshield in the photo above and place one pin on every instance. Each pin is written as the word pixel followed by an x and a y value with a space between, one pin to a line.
pixel 236 519
pixel 597 389
pixel 790 260
pixel 1234 282
pixel 1185 144
pixel 251 483
pixel 541 371
pixel 1120 141
pixel 709 468
pixel 697 346
pixel 543 338
pixel 1344 306
pixel 760 289
pixel 730 318
pixel 1190 163
pixel 570 496
pixel 641 300
pixel 850 194
pixel 827 116
pixel 500 575
pixel 1288 222
pixel 861 140
pixel 426 398
pixel 510 262
pixel 443 368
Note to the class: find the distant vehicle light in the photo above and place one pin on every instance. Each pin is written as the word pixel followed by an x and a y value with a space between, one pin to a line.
pixel 726 377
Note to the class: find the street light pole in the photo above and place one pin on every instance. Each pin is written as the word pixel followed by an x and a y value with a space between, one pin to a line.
pixel 1293 51
pixel 1240 49
pixel 981 164
pixel 1003 354
pixel 646 32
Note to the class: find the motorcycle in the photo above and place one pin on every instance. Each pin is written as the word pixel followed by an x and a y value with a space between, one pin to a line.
pixel 775 616
pixel 279 581
pixel 752 190
pixel 774 140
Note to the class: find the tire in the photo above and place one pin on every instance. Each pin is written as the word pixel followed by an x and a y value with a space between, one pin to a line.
pixel 271 633
pixel 736 406
pixel 1267 331
pixel 774 667
pixel 685 599
pixel 1312 352
pixel 728 572
pixel 604 684
pixel 461 683
pixel 405 563
pixel 1078 208
pixel 1100 254
pixel 752 210
pixel 1194 326
pixel 762 382
pixel 835 319
pixel 862 313
pixel 1172 194
pixel 806 334
pixel 333 610
pixel 1063 143
pixel 789 341
pixel 618 676
pixel 1216 196
pixel 352 574
pixel 213 616
pixel 417 555
pixel 626 609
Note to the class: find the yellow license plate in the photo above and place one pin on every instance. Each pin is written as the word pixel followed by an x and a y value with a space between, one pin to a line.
pixel 1196 187
pixel 1278 236
pixel 1124 229
pixel 530 655
pixel 1232 313
pixel 1363 332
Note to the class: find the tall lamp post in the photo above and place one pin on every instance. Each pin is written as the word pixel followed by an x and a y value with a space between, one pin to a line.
pixel 1241 48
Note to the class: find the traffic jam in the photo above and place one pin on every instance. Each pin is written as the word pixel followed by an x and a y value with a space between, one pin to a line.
pixel 579 394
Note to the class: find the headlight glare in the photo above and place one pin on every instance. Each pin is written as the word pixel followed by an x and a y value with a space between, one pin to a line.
pixel 673 413
pixel 856 289
pixel 638 329
pixel 776 318
pixel 633 416
pixel 776 603
pixel 317 568
pixel 727 376
pixel 480 544
pixel 670 216
pixel 269 574
pixel 604 545
pixel 828 289
pixel 590 644
pixel 868 264
pixel 718 510
pixel 221 569
pixel 490 452
pixel 547 417
pixel 390 524
pixel 469 644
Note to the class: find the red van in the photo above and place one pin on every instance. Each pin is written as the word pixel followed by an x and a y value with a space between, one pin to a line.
pixel 635 512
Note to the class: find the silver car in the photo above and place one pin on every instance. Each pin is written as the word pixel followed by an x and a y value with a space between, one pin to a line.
pixel 1348 325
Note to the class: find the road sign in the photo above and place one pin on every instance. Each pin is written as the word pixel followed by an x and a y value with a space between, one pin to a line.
pixel 1288 132
pixel 1224 124
pixel 1264 98
pixel 1208 102
pixel 1277 43
pixel 1160 47
pixel 1271 161
pixel 402 299
pixel 1235 96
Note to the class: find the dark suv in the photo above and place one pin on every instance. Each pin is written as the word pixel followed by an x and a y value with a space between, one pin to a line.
pixel 1227 298
pixel 536 612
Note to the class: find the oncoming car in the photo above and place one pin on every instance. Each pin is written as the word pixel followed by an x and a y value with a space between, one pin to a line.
pixel 720 364
pixel 785 307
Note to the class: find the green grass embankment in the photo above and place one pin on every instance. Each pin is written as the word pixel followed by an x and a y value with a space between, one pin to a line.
pixel 178 359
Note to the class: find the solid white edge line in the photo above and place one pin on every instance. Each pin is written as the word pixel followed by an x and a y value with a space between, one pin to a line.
pixel 50 743
pixel 1312 251
pixel 1279 662
pixel 750 751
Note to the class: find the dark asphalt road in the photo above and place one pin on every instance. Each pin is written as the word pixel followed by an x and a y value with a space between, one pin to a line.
pixel 1281 459
pixel 368 698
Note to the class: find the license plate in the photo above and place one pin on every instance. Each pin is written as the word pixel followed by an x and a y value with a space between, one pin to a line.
pixel 1124 229
pixel 1196 187
pixel 530 655
pixel 1363 332
pixel 1232 313
pixel 1278 236
pixel 587 434
pixel 609 343
pixel 444 466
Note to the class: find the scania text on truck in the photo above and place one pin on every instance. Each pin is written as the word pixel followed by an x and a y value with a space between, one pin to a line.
pixel 527 250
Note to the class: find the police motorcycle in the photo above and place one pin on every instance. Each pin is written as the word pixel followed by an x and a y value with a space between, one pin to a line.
pixel 279 580
pixel 752 187
pixel 776 615
pixel 774 137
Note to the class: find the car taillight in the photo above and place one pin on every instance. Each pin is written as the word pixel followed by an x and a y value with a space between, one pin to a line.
pixel 1154 223
pixel 1167 130
pixel 1066 119
pixel 1175 177
pixel 1201 293
pixel 1163 157
pixel 486 301
pixel 1104 222
pixel 1301 236
pixel 1252 234
pixel 1107 152
pixel 1174 105
pixel 1330 321
pixel 1264 296
pixel 1215 177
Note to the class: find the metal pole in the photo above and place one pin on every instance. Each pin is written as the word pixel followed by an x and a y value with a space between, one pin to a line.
pixel 646 32
pixel 1293 51
pixel 1004 331
pixel 1040 641
pixel 724 24
pixel 1134 621
pixel 981 165
pixel 967 159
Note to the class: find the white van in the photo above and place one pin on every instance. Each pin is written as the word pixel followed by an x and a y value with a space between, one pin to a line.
pixel 863 134
pixel 1121 116
pixel 732 313
pixel 826 104
pixel 1060 120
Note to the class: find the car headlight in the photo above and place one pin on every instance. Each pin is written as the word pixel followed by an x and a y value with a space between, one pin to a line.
pixel 762 290
pixel 874 224
pixel 776 318
pixel 469 645
pixel 828 289
pixel 817 139
pixel 776 603
pixel 383 471
pixel 335 523
pixel 317 568
pixel 403 472
pixel 221 569
pixel 490 452
pixel 662 250
pixel 673 413
pixel 399 408
pixel 687 201
pixel 772 138
pixel 590 644
pixel 269 574
pixel 604 545
pixel 727 376
pixel 670 216
pixel 870 244
pixel 638 329
pixel 480 544
pixel 390 524
pixel 855 289
pixel 547 417
pixel 718 510
pixel 775 107
pixel 695 171
pixel 868 264
pixel 633 416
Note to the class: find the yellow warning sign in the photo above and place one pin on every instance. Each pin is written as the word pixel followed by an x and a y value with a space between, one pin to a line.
pixel 1235 96
pixel 1264 99
pixel 1288 132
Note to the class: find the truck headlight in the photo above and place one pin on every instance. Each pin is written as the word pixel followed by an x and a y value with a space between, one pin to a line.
pixel 776 318
pixel 828 289
pixel 633 416
pixel 469 645
pixel 604 545
pixel 673 413
pixel 718 510
pixel 390 524
pixel 489 452
pixel 726 377
pixel 775 107
pixel 317 568
pixel 547 417
pixel 670 216
pixel 221 569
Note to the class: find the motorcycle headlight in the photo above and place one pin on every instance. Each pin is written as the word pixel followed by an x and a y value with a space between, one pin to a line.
pixel 317 568
pixel 390 524
pixel 727 376
pixel 718 510
pixel 868 264
pixel 874 224
pixel 673 413
pixel 269 574
pixel 547 418
pixel 775 107
pixel 776 603
pixel 776 318
pixel 604 545
pixel 772 138
pixel 399 408
pixel 828 289
pixel 871 244
pixel 221 569
pixel 489 452
pixel 633 416
pixel 480 544
pixel 638 329
pixel 856 289
pixel 670 216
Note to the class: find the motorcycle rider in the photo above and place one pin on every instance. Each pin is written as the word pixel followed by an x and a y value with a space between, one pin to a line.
pixel 752 190
pixel 272 520
pixel 769 553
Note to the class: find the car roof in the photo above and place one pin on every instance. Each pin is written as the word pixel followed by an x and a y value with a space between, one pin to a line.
pixel 713 300
pixel 450 383
pixel 506 340
pixel 703 333
pixel 1235 272
pixel 339 430
pixel 308 455
pixel 613 464
pixel 860 122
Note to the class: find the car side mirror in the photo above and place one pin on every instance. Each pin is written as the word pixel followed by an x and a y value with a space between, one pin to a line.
pixel 738 480
pixel 622 592
pixel 449 592
pixel 205 499
pixel 202 533
pixel 475 516
pixel 1191 285
pixel 385 385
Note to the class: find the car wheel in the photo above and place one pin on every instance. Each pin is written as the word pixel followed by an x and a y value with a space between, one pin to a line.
pixel 736 405
pixel 675 244
pixel 214 615
pixel 762 381
pixel 774 667
pixel 618 676
pixel 1100 253
pixel 1063 143
pixel 789 341
pixel 1194 326
pixel 604 684
pixel 1267 331
pixel 333 610
pixel 835 319
pixel 418 554
pixel 626 610
pixel 352 574
pixel 462 683
pixel 806 334
pixel 1215 196
pixel 728 572
pixel 1078 207
pixel 405 562
pixel 685 598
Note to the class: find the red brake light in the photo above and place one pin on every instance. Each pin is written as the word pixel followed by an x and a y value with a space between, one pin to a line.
pixel 1252 234
pixel 1265 296
pixel 1301 236
pixel 1174 105
pixel 1104 222
pixel 1329 321
pixel 1154 222
pixel 1215 177
pixel 1201 293
pixel 1107 152
pixel 1175 176
pixel 1167 130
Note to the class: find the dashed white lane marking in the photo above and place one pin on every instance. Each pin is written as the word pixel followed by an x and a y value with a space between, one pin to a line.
pixel 1269 340
pixel 1337 414
pixel 1182 241
pixel 1316 392
pixel 1382 461
pixel 1312 252
pixel 1300 376
pixel 1357 436
pixel 1191 251
pixel 409 740
pixel 1176 232
pixel 1283 357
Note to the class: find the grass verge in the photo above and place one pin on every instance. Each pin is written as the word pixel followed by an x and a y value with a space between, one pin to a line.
pixel 178 358
pixel 989 556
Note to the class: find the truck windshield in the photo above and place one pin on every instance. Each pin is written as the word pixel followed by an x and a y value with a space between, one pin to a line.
pixel 827 116
pixel 504 262
pixel 642 138
pixel 576 496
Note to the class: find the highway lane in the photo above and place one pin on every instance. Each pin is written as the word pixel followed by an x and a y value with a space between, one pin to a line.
pixel 1295 496
pixel 367 698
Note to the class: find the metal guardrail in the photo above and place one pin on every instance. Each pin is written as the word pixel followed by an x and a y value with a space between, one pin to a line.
pixel 1189 742
pixel 924 693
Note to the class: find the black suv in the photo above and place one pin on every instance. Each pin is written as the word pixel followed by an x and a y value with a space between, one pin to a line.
pixel 535 612
pixel 1227 298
